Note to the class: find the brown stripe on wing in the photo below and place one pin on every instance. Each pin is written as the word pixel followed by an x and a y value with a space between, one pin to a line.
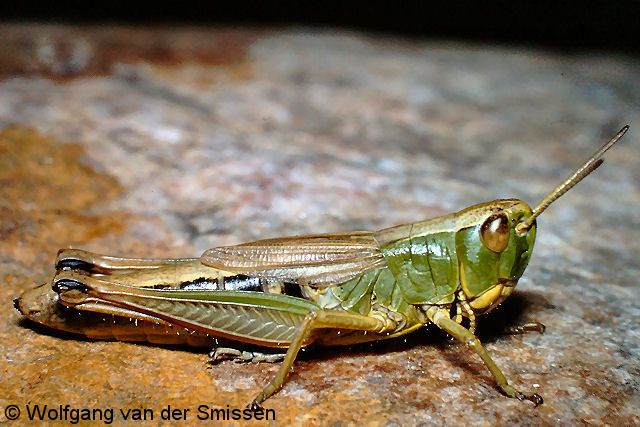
pixel 319 260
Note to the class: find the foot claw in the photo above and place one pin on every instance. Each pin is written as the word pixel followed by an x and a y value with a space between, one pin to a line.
pixel 532 397
pixel 527 327
pixel 255 406
pixel 220 354
pixel 536 399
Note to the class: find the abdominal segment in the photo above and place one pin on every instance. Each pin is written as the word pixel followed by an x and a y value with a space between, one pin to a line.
pixel 41 305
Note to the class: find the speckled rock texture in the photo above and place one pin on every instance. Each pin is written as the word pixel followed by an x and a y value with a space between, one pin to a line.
pixel 165 142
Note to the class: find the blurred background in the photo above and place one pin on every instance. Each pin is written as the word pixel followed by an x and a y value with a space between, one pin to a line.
pixel 161 130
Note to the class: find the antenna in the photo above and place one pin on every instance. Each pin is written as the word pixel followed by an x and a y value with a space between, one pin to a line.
pixel 576 176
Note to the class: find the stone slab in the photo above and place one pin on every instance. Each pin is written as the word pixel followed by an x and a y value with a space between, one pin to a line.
pixel 158 142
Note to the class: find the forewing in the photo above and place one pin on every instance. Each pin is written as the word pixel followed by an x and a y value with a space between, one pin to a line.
pixel 320 261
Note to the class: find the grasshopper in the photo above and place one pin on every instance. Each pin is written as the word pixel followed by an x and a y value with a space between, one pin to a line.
pixel 331 289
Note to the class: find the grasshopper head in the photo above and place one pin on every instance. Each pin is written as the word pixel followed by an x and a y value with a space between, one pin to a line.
pixel 492 253
pixel 494 240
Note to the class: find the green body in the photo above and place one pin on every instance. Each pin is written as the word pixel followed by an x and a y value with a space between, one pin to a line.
pixel 430 263
pixel 425 262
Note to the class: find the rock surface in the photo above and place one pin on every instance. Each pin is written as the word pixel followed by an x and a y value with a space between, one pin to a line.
pixel 165 142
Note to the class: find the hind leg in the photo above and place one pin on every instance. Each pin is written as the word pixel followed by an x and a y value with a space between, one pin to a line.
pixel 77 259
pixel 169 273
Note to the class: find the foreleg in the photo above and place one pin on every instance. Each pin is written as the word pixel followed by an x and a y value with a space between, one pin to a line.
pixel 443 321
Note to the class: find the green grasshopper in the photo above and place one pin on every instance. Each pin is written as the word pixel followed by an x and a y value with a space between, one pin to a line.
pixel 331 289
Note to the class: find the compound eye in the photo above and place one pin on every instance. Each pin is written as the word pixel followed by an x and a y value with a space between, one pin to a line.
pixel 494 232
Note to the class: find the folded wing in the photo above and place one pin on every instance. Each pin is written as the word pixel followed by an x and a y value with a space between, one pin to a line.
pixel 318 260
